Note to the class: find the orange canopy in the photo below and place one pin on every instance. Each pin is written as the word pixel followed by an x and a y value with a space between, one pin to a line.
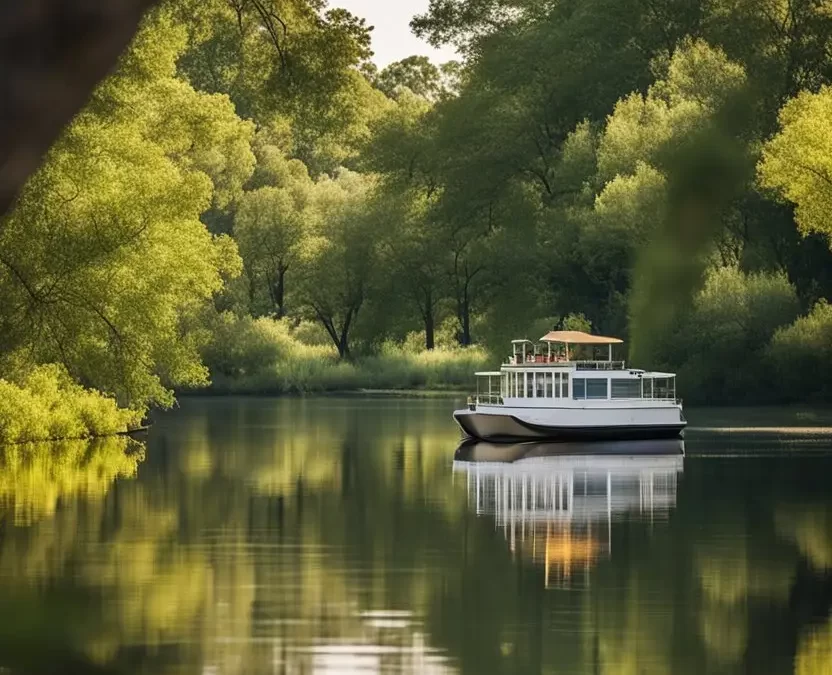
pixel 576 337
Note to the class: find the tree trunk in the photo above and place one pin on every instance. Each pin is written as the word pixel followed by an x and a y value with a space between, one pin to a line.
pixel 466 326
pixel 344 346
pixel 279 292
pixel 343 342
pixel 464 317
pixel 252 290
pixel 430 331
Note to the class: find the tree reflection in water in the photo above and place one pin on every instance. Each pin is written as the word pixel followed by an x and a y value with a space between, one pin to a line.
pixel 327 535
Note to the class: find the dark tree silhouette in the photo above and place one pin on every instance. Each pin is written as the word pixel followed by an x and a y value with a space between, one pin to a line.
pixel 52 54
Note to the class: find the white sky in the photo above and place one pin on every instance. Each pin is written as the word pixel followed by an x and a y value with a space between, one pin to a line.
pixel 392 39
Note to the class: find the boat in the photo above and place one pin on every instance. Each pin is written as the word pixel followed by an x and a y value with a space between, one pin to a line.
pixel 558 390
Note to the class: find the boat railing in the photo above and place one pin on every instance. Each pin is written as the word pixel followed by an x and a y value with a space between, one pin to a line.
pixel 599 365
pixel 543 360
pixel 484 399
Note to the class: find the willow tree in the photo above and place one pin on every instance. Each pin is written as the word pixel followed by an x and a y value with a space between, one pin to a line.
pixel 104 263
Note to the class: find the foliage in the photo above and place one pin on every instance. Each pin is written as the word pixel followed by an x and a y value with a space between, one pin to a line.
pixel 104 260
pixel 286 59
pixel 801 354
pixel 421 77
pixel 722 342
pixel 797 162
pixel 247 161
pixel 46 404
pixel 265 356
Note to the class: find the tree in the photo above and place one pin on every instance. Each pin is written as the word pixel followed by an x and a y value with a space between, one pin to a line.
pixel 415 73
pixel 339 256
pixel 268 227
pixel 797 162
pixel 104 263
pixel 415 255
pixel 286 59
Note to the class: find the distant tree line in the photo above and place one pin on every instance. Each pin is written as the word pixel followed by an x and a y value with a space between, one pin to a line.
pixel 663 169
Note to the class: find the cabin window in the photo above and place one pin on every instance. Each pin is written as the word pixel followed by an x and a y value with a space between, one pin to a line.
pixel 579 388
pixel 529 385
pixel 540 384
pixel 504 385
pixel 597 388
pixel 521 386
pixel 625 388
pixel 564 385
pixel 556 388
pixel 647 384
pixel 549 378
pixel 665 388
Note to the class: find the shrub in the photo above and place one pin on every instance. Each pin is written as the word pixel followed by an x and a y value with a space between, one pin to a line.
pixel 719 348
pixel 47 405
pixel 801 355
pixel 243 346
pixel 277 363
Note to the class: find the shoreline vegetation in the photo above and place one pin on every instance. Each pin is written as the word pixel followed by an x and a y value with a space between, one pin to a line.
pixel 266 212
pixel 267 356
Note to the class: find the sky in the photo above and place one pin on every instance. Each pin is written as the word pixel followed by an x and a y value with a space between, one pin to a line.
pixel 392 39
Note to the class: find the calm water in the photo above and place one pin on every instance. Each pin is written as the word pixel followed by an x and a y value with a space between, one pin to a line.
pixel 339 535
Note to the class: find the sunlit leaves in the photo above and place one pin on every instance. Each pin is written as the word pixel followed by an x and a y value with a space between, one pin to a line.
pixel 105 257
pixel 797 162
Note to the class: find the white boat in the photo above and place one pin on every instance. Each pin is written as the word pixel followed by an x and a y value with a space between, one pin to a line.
pixel 543 393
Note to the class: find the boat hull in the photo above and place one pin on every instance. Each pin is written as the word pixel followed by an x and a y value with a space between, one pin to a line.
pixel 509 428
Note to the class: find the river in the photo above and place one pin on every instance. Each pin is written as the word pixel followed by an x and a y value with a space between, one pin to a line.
pixel 329 535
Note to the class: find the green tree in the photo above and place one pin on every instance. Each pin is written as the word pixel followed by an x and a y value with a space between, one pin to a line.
pixel 797 162
pixel 416 73
pixel 269 226
pixel 415 256
pixel 286 59
pixel 339 256
pixel 104 263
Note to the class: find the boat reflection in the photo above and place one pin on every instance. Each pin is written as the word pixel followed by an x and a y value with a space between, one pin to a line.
pixel 556 502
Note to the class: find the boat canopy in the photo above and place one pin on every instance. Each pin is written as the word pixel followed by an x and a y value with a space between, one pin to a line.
pixel 489 373
pixel 576 337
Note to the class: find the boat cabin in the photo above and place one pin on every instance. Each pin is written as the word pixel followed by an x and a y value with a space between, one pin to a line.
pixel 570 366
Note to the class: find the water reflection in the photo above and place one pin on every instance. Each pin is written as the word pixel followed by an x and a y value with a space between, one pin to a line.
pixel 35 477
pixel 339 535
pixel 556 502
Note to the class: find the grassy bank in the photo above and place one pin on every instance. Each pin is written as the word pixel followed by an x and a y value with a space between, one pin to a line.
pixel 317 370
pixel 263 356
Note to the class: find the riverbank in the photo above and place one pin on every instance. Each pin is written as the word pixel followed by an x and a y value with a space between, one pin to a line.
pixel 290 367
